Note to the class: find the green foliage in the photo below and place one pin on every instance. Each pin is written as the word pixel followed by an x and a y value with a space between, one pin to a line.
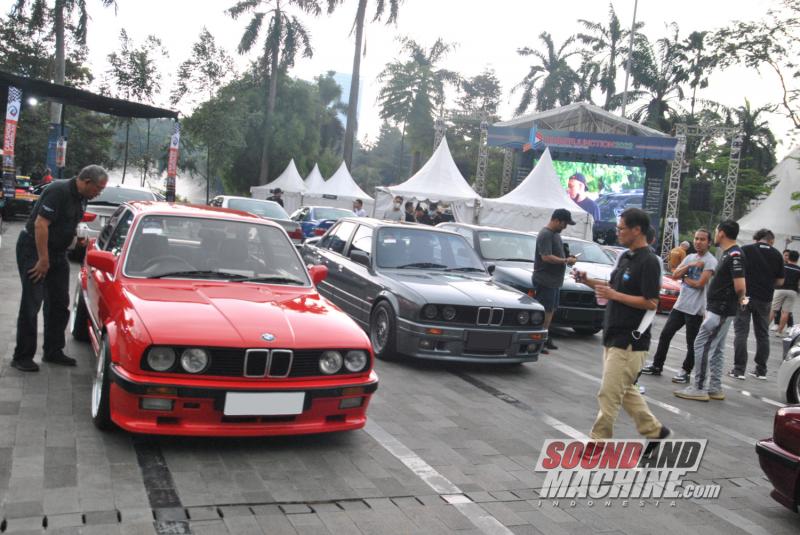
pixel 552 81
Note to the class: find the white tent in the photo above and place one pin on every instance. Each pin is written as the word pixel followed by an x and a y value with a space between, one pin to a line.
pixel 290 182
pixel 314 180
pixel 775 211
pixel 439 180
pixel 530 205
pixel 339 191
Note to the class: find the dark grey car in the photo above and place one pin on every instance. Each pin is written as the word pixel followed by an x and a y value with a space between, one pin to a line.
pixel 423 292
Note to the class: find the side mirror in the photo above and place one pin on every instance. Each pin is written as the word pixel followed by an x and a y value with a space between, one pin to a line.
pixel 104 261
pixel 318 273
pixel 360 257
pixel 490 268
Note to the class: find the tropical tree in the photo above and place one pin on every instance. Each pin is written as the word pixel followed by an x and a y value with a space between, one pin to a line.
pixel 758 141
pixel 700 63
pixel 285 37
pixel 552 80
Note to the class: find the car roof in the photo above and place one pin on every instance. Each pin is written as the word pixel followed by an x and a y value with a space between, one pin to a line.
pixel 380 223
pixel 483 227
pixel 195 210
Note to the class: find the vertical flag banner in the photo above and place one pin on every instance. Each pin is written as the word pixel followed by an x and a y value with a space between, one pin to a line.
pixel 12 116
pixel 61 152
pixel 172 162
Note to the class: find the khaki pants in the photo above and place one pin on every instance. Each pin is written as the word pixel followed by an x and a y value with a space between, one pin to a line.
pixel 621 368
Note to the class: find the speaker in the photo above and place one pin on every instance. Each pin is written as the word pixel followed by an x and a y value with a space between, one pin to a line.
pixel 700 196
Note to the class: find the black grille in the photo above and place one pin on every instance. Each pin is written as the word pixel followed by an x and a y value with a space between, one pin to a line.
pixel 577 299
pixel 484 316
pixel 256 363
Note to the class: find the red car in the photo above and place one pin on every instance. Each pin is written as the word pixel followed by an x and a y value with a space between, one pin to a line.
pixel 205 321
pixel 779 457
pixel 670 290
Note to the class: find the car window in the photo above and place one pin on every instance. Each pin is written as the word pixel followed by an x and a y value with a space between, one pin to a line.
pixel 119 195
pixel 336 239
pixel 362 240
pixel 331 213
pixel 258 207
pixel 589 252
pixel 496 245
pixel 105 233
pixel 427 249
pixel 117 239
pixel 466 232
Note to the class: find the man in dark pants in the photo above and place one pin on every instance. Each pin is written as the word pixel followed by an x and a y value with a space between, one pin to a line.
pixel 44 269
pixel 764 273
pixel 549 266
pixel 694 272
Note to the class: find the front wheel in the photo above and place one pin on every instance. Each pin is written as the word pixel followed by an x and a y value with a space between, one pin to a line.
pixel 793 393
pixel 383 332
pixel 101 389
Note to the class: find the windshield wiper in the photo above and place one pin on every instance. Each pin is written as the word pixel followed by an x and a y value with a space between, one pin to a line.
pixel 511 260
pixel 200 274
pixel 429 265
pixel 272 278
pixel 466 268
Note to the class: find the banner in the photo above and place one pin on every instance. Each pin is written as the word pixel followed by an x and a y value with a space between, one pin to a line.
pixel 12 116
pixel 61 152
pixel 172 162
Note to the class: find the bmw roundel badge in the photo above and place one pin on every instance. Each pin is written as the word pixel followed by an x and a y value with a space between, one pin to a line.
pixel 268 337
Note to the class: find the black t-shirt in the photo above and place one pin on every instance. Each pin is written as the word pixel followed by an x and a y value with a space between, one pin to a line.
pixel 791 279
pixel 721 294
pixel 763 264
pixel 61 203
pixel 276 199
pixel 410 217
pixel 637 273
pixel 544 273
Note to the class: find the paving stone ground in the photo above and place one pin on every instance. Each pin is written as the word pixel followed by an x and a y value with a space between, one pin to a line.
pixel 58 474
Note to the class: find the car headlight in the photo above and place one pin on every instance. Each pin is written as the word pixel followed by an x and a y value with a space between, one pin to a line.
pixel 330 362
pixel 161 359
pixel 355 361
pixel 523 317
pixel 429 311
pixel 195 360
pixel 449 313
pixel 537 317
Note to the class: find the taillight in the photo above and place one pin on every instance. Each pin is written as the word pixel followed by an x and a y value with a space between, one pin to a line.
pixel 296 234
pixel 319 231
pixel 88 217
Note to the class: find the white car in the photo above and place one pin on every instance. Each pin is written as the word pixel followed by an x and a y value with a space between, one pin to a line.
pixel 262 208
pixel 789 372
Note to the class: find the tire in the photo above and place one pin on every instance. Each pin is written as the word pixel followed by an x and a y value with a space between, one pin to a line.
pixel 101 389
pixel 793 392
pixel 79 320
pixel 383 331
pixel 586 331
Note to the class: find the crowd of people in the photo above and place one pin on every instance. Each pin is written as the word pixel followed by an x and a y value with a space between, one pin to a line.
pixel 431 214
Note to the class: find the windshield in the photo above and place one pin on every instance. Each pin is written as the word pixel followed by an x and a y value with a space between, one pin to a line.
pixel 116 195
pixel 494 245
pixel 23 183
pixel 194 247
pixel 260 208
pixel 425 249
pixel 589 252
pixel 331 213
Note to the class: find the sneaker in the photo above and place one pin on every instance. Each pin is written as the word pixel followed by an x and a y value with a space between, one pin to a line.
pixel 719 394
pixel 651 370
pixel 780 334
pixel 737 375
pixel 757 375
pixel 25 365
pixel 690 392
pixel 665 433
pixel 60 359
pixel 681 378
pixel 773 327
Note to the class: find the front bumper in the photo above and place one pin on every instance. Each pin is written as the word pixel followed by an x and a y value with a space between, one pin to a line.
pixel 579 317
pixel 783 470
pixel 197 408
pixel 438 342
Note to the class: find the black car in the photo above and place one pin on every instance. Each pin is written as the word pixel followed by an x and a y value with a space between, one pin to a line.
pixel 423 292
pixel 512 253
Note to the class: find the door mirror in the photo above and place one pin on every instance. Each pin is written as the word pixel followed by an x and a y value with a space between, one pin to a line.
pixel 104 261
pixel 360 257
pixel 490 268
pixel 318 273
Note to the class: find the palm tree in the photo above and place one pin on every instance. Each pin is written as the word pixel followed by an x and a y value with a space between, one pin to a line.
pixel 284 38
pixel 553 81
pixel 414 90
pixel 758 141
pixel 699 64
pixel 352 102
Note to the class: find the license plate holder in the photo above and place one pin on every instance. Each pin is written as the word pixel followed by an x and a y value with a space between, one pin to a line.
pixel 481 341
pixel 264 403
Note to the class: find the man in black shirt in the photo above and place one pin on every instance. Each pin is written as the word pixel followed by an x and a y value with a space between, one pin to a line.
pixel 276 196
pixel 726 293
pixel 764 272
pixel 43 266
pixel 409 212
pixel 786 295
pixel 632 293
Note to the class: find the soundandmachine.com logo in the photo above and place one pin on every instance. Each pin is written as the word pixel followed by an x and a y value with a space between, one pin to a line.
pixel 623 469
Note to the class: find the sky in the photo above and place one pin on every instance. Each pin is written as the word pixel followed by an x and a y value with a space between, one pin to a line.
pixel 486 34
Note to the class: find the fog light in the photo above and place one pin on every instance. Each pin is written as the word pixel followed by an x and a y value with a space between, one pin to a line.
pixel 350 403
pixel 426 344
pixel 156 404
pixel 536 336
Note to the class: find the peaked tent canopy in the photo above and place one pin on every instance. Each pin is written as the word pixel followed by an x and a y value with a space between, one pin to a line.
pixel 775 211
pixel 529 206
pixel 314 181
pixel 290 182
pixel 339 191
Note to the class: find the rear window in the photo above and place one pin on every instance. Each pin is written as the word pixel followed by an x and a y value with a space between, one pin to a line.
pixel 115 195
pixel 260 208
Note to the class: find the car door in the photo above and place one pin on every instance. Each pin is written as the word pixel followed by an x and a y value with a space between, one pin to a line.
pixel 99 284
pixel 330 253
pixel 359 281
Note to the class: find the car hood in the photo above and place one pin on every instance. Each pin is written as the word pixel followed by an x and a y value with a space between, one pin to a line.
pixel 595 271
pixel 458 289
pixel 239 314
pixel 520 274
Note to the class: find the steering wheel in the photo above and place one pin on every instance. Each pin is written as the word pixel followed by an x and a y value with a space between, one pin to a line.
pixel 164 259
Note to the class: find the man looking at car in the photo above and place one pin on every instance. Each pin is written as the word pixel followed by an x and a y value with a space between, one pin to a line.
pixel 785 296
pixel 549 266
pixel 44 269
pixel 576 189
pixel 694 273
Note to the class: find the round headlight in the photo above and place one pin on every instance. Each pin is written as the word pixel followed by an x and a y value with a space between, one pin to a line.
pixel 330 362
pixel 537 317
pixel 161 359
pixel 355 361
pixel 429 311
pixel 195 360
pixel 449 313
pixel 523 316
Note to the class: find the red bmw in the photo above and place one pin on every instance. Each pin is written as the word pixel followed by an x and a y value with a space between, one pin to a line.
pixel 206 322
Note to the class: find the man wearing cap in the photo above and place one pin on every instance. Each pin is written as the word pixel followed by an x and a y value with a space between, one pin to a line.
pixel 576 189
pixel 549 265
pixel 276 196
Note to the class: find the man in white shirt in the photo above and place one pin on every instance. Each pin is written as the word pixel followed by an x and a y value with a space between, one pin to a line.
pixel 395 213
pixel 358 208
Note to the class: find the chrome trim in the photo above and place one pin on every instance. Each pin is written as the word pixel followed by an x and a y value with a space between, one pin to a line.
pixel 502 312
pixel 488 317
pixel 281 352
pixel 491 318
pixel 266 363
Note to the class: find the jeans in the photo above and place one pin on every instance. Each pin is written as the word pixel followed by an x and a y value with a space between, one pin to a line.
pixel 759 310
pixel 708 351
pixel 675 321
pixel 52 291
